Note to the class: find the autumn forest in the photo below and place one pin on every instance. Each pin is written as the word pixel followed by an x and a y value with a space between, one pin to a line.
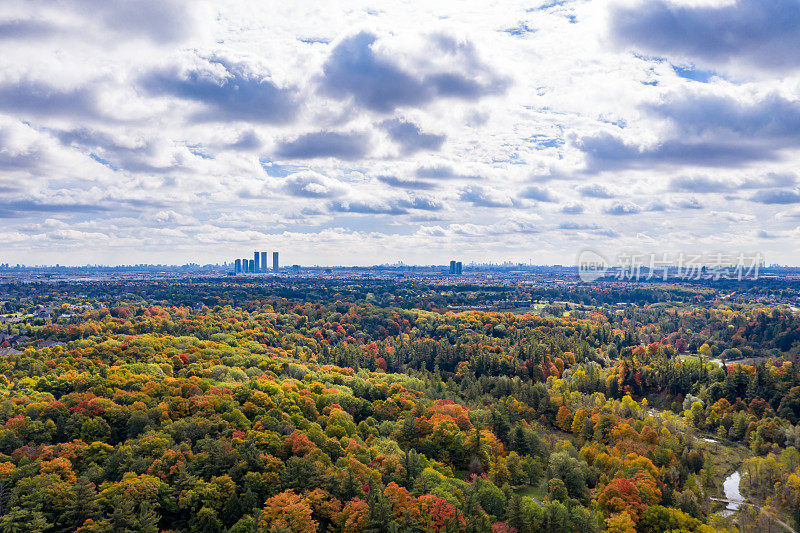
pixel 358 405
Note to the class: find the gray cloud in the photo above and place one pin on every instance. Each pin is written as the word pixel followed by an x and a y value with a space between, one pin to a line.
pixel 623 208
pixel 595 190
pixel 710 130
pixel 572 209
pixel 394 181
pixel 163 21
pixel 248 140
pixel 770 118
pixel 325 144
pixel 443 172
pixel 700 184
pixel 689 203
pixel 25 29
pixel 422 203
pixel 776 197
pixel 573 226
pixel 309 184
pixel 482 197
pixel 410 138
pixel 704 184
pixel 21 208
pixel 354 71
pixel 385 207
pixel 539 193
pixel 109 151
pixel 607 152
pixel 38 98
pixel 236 94
pixel 762 34
pixel 365 208
pixel 29 160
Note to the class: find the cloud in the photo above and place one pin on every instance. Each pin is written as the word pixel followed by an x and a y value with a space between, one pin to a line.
pixel 394 181
pixel 410 137
pixel 319 144
pixel 168 217
pixel 162 21
pixel 540 194
pixel 31 97
pixel 760 34
pixel 228 91
pixel 422 203
pixel 364 207
pixel 706 130
pixel 623 208
pixel 705 184
pixel 789 214
pixel 772 117
pixel 595 190
pixel 701 184
pixel 484 197
pixel 520 224
pixel 776 197
pixel 443 172
pixel 689 203
pixel 310 184
pixel 248 140
pixel 21 208
pixel 732 217
pixel 576 226
pixel 608 152
pixel 572 209
pixel 358 71
pixel 25 29
pixel 120 149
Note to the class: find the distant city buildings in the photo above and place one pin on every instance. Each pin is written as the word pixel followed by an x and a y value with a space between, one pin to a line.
pixel 455 268
pixel 259 264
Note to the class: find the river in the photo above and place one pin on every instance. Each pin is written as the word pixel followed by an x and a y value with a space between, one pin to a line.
pixel 731 488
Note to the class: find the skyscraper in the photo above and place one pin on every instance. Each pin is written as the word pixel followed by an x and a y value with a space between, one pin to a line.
pixel 245 265
pixel 251 266
pixel 264 264
pixel 275 261
pixel 238 267
pixel 452 267
pixel 458 268
pixel 256 263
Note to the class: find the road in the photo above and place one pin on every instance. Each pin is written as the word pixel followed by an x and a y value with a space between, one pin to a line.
pixel 740 502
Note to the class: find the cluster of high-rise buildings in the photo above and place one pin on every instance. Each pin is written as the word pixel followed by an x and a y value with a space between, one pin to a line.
pixel 455 268
pixel 259 264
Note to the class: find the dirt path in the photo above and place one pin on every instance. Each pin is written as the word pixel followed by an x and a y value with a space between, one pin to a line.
pixel 761 509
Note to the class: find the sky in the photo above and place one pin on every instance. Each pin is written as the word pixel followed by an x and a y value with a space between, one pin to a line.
pixel 356 133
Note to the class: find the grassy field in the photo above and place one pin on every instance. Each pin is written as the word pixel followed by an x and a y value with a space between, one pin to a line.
pixel 722 458
pixel 538 492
